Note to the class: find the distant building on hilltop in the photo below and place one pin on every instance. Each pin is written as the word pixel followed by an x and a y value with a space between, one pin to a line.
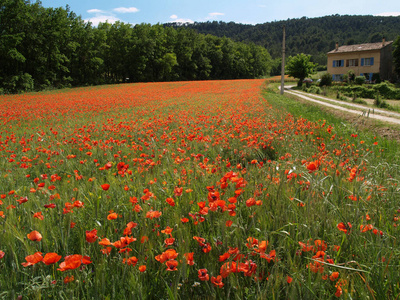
pixel 370 60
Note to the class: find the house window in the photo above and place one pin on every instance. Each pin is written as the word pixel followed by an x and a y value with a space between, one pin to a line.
pixel 352 63
pixel 338 63
pixel 369 61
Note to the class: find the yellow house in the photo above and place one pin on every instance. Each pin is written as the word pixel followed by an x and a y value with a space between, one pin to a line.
pixel 369 60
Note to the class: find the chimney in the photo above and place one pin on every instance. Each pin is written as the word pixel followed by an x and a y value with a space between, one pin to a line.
pixel 383 42
pixel 337 46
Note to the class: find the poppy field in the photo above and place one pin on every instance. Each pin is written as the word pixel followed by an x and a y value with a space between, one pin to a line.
pixel 191 189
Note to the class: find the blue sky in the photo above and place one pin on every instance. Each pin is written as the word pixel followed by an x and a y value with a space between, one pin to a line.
pixel 240 11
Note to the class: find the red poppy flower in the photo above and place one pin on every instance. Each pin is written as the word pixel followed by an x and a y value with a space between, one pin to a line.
pixel 131 261
pixel 169 241
pixel 51 258
pixel 171 265
pixel 142 268
pixel 344 227
pixel 112 216
pixel 1 254
pixel 217 281
pixel 34 236
pixel 105 186
pixel 189 258
pixel 71 262
pixel 68 279
pixel 170 201
pixel 33 259
pixel 334 276
pixel 105 242
pixel 91 236
pixel 203 276
pixel 38 215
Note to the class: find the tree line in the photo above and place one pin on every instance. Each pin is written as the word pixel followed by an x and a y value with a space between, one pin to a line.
pixel 44 48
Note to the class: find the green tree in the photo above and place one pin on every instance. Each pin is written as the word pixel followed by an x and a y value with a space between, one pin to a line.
pixel 300 67
pixel 396 56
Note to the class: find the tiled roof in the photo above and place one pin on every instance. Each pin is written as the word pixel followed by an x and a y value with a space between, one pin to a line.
pixel 360 47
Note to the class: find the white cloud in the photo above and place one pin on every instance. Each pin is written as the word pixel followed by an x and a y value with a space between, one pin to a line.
pixel 175 19
pixel 124 10
pixel 388 14
pixel 214 14
pixel 95 11
pixel 102 19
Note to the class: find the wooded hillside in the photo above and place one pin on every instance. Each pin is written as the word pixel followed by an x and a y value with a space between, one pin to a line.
pixel 315 36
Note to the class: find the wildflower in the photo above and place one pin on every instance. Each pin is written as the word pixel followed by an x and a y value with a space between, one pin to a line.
pixel 91 235
pixel 170 201
pixel 112 216
pixel 171 265
pixel 131 261
pixel 344 227
pixel 73 262
pixel 38 215
pixel 68 279
pixel 34 236
pixel 202 274
pixel 105 186
pixel 33 259
pixel 334 276
pixel 142 268
pixel 189 258
pixel 217 281
pixel 51 258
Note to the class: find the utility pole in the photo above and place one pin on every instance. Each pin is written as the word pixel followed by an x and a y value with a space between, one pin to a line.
pixel 283 62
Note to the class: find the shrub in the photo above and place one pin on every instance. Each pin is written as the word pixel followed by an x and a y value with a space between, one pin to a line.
pixel 326 80
pixel 381 103
pixel 387 90
pixel 359 80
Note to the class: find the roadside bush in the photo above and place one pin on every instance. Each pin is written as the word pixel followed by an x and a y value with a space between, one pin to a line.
pixel 326 80
pixel 359 80
pixel 387 90
pixel 312 89
pixel 381 103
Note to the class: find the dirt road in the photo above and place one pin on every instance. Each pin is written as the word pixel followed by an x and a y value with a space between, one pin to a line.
pixel 378 114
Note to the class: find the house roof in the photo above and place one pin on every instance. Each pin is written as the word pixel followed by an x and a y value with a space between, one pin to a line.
pixel 360 47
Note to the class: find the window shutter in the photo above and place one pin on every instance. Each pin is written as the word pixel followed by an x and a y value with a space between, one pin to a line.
pixel 342 63
pixel 370 76
pixel 333 77
pixel 372 61
pixel 334 63
pixel 362 62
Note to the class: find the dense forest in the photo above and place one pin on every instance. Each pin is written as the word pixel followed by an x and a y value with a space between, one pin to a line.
pixel 314 36
pixel 44 48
